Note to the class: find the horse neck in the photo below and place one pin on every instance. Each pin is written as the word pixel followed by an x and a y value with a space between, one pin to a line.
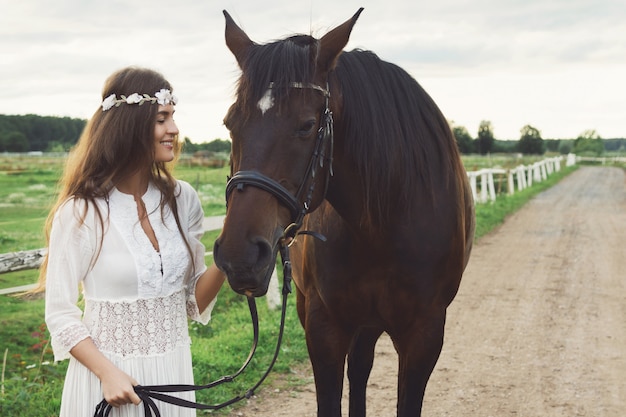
pixel 347 198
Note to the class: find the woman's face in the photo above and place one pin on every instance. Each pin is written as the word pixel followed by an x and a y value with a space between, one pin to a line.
pixel 165 132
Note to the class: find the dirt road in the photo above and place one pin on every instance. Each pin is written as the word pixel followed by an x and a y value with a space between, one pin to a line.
pixel 538 328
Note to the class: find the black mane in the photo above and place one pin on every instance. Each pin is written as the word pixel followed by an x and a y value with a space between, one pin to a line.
pixel 394 131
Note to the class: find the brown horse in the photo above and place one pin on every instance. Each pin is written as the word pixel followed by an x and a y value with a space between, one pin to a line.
pixel 380 196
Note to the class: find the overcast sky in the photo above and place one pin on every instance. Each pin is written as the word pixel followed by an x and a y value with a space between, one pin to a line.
pixel 558 65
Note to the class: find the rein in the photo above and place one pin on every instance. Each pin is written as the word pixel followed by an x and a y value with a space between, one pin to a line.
pixel 150 393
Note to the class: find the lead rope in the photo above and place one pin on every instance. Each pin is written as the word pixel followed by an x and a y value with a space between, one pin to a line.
pixel 149 393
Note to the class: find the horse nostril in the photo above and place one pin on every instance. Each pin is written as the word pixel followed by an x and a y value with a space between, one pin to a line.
pixel 264 252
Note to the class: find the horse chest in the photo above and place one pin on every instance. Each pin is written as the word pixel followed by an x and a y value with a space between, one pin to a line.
pixel 373 298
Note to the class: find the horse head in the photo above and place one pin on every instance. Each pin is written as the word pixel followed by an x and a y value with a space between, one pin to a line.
pixel 282 143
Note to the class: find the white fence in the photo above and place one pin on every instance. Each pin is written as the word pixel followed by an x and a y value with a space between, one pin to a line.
pixel 521 177
pixel 603 160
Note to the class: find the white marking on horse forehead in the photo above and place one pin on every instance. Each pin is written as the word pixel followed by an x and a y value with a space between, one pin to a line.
pixel 266 102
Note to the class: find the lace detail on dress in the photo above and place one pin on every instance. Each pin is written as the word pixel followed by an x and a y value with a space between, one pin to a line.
pixel 157 272
pixel 143 327
pixel 192 308
pixel 67 338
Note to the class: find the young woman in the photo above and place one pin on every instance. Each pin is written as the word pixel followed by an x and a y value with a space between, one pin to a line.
pixel 127 233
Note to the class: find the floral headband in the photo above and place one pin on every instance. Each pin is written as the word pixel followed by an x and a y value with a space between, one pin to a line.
pixel 162 97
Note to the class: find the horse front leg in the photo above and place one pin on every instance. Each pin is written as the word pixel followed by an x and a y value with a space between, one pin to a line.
pixel 328 346
pixel 418 350
pixel 360 361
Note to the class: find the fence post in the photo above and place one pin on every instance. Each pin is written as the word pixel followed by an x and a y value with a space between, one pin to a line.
pixel 571 160
pixel 520 171
pixel 483 186
pixel 550 166
pixel 536 172
pixel 492 190
pixel 511 182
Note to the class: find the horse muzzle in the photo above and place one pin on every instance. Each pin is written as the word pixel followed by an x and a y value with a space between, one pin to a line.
pixel 249 267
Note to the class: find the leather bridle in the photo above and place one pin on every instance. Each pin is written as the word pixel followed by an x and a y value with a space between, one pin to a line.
pixel 299 204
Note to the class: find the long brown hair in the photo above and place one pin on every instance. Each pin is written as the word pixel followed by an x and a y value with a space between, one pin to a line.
pixel 115 144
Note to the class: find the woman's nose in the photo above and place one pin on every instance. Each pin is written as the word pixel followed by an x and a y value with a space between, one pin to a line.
pixel 172 128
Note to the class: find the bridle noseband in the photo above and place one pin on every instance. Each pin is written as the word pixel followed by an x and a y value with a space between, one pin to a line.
pixel 299 204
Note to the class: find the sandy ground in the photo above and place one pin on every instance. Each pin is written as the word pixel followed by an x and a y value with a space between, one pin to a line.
pixel 538 328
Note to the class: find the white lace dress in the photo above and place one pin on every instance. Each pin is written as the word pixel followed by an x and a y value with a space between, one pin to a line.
pixel 136 300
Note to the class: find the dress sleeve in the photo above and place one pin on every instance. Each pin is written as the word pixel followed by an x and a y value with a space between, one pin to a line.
pixel 195 229
pixel 70 252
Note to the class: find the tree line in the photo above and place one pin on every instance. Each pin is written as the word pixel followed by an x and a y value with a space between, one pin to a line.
pixel 38 133
pixel 530 142
pixel 33 133
pixel 27 133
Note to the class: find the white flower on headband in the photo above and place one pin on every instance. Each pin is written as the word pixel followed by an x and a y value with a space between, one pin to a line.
pixel 163 97
pixel 133 99
pixel 108 102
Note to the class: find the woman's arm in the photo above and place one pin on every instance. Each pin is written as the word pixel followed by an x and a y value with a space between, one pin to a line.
pixel 69 255
pixel 117 386
pixel 208 286
pixel 203 289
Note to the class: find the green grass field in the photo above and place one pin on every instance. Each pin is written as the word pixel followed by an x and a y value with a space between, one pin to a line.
pixel 32 381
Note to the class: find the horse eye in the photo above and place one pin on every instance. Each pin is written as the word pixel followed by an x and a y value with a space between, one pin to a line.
pixel 306 129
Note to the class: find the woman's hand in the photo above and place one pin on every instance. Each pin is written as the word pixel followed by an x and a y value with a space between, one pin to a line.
pixel 118 388
pixel 117 385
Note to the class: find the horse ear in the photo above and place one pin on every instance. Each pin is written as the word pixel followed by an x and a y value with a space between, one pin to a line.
pixel 333 43
pixel 236 39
